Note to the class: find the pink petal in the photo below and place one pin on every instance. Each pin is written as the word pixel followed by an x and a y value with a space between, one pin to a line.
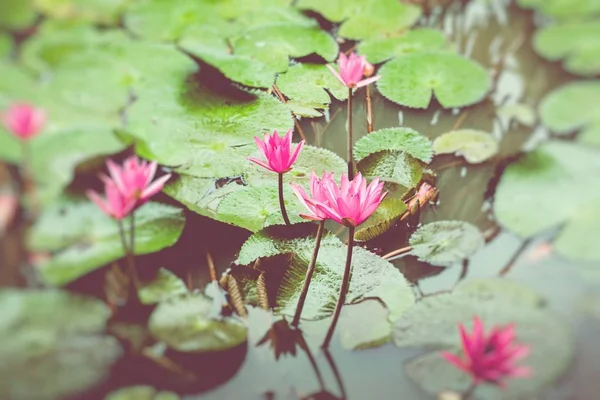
pixel 116 173
pixel 155 187
pixel 261 163
pixel 336 74
pixel 455 360
pixel 295 154
pixel 367 81
pixel 99 201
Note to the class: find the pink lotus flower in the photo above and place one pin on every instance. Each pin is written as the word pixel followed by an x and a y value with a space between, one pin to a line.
pixel 116 204
pixel 134 179
pixel 351 203
pixel 352 69
pixel 24 120
pixel 490 358
pixel 317 191
pixel 277 151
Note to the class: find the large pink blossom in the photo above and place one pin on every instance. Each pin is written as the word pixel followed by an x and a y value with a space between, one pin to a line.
pixel 24 120
pixel 317 194
pixel 134 179
pixel 490 358
pixel 353 201
pixel 116 205
pixel 277 152
pixel 352 69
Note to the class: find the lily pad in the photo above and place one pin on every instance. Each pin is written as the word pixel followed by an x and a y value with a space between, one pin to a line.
pixel 392 166
pixel 364 325
pixel 413 79
pixel 413 41
pixel 6 46
pixel 524 114
pixel 365 19
pixel 475 146
pixel 141 392
pixel 444 243
pixel 185 324
pixel 566 110
pixel 82 238
pixel 17 14
pixel 105 12
pixel 563 9
pixel 386 215
pixel 549 172
pixel 403 139
pixel 433 323
pixel 577 43
pixel 164 285
pixel 305 85
pixel 43 351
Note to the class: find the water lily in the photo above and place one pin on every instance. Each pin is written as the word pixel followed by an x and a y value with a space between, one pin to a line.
pixel 352 68
pixel 279 158
pixel 24 120
pixel 116 205
pixel 491 357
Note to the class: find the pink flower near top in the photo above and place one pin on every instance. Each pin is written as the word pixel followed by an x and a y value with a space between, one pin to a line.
pixel 116 204
pixel 352 69
pixel 24 120
pixel 490 358
pixel 277 152
pixel 317 194
pixel 353 202
pixel 134 179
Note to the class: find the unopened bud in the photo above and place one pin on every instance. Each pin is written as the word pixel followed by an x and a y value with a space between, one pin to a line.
pixel 369 70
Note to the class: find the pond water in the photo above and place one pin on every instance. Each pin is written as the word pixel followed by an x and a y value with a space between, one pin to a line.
pixel 498 35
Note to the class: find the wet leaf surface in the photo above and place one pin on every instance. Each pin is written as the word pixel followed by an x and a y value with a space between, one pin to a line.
pixel 475 146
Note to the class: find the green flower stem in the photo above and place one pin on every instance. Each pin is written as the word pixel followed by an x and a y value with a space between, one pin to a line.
pixel 281 202
pixel 28 178
pixel 350 143
pixel 129 254
pixel 309 274
pixel 343 289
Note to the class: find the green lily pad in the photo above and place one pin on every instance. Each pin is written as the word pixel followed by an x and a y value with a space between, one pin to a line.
pixel 43 351
pixel 413 41
pixel 444 243
pixel 364 325
pixel 403 139
pixel 392 166
pixel 275 44
pixel 105 12
pixel 82 238
pixel 386 215
pixel 365 19
pixel 530 197
pixel 413 79
pixel 185 324
pixel 433 323
pixel 524 114
pixel 141 392
pixel 6 45
pixel 563 9
pixel 164 285
pixel 566 110
pixel 475 146
pixel 577 43
pixel 305 84
pixel 17 14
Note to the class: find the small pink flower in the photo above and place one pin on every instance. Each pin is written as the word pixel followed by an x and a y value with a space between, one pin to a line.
pixel 353 202
pixel 490 358
pixel 317 191
pixel 352 69
pixel 134 179
pixel 277 151
pixel 116 204
pixel 24 120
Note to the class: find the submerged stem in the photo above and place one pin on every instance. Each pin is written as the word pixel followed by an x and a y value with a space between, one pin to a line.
pixel 350 140
pixel 343 289
pixel 309 274
pixel 369 109
pixel 281 202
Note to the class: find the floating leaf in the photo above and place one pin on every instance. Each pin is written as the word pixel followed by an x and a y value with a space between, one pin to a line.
pixel 386 215
pixel 475 146
pixel 433 323
pixel 567 109
pixel 532 196
pixel 403 139
pixel 83 238
pixel 411 80
pixel 392 166
pixel 185 324
pixel 141 392
pixel 164 285
pixel 43 350
pixel 443 243
pixel 16 14
pixel 413 41
pixel 304 84
pixel 563 9
pixel 364 325
pixel 95 11
pixel 365 19
pixel 522 113
pixel 6 45
pixel 578 43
